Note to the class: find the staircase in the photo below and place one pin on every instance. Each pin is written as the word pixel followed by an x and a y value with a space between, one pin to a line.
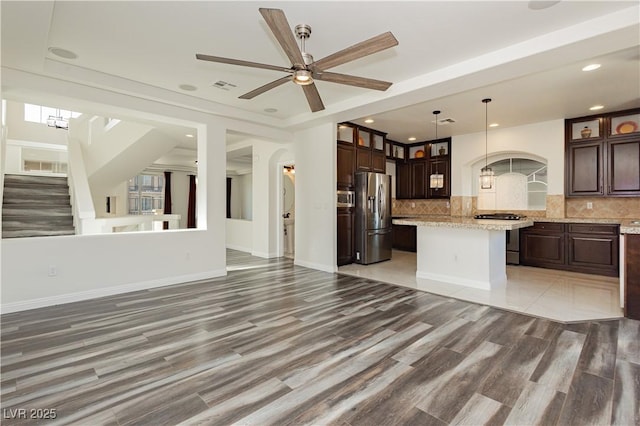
pixel 36 206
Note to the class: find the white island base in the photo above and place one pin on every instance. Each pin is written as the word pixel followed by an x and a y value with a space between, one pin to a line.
pixel 470 257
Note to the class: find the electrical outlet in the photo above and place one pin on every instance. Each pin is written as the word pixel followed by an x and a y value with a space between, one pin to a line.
pixel 53 271
pixel 413 205
pixel 589 205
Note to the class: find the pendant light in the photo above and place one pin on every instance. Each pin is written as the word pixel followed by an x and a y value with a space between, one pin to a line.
pixel 58 121
pixel 436 180
pixel 486 174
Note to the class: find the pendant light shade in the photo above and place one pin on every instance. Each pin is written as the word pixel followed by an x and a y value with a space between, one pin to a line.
pixel 436 180
pixel 58 121
pixel 486 174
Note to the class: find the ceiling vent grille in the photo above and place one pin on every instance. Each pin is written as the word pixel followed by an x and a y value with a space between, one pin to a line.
pixel 223 85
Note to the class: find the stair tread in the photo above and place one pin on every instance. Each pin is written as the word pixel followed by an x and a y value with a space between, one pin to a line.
pixel 37 179
pixel 36 206
pixel 35 191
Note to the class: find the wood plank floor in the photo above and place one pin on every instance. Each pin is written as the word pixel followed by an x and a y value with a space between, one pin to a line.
pixel 277 344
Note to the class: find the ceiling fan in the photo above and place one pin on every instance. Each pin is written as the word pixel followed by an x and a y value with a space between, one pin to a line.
pixel 304 70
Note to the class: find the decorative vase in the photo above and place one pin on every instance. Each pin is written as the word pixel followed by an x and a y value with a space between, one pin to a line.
pixel 442 150
pixel 586 132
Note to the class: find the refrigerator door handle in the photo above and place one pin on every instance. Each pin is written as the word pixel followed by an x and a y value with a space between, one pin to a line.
pixel 380 209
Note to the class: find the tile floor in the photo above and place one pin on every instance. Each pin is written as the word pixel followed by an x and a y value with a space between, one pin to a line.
pixel 558 295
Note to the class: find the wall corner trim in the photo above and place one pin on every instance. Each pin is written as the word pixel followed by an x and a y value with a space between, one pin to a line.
pixel 312 265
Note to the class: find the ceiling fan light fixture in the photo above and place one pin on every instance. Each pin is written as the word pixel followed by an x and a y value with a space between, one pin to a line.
pixel 302 77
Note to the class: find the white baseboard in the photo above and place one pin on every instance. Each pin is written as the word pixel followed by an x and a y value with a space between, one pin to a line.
pixel 264 255
pixel 482 285
pixel 239 248
pixel 318 266
pixel 106 291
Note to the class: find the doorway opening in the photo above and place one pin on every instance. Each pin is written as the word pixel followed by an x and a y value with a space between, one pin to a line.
pixel 288 209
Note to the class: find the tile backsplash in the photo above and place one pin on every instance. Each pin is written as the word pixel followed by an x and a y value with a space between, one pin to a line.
pixel 613 208
pixel 557 207
pixel 421 207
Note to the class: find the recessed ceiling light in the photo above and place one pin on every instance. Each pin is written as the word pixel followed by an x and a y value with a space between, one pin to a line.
pixel 493 125
pixel 596 107
pixel 189 135
pixel 412 138
pixel 188 87
pixel 63 53
pixel 591 67
pixel 271 110
pixel 369 120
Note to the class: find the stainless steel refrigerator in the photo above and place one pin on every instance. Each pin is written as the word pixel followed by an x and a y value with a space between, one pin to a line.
pixel 373 238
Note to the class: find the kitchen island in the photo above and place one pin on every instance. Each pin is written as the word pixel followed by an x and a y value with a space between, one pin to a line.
pixel 462 250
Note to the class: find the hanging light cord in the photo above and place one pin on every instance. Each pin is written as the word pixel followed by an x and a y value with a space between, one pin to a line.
pixel 436 114
pixel 486 131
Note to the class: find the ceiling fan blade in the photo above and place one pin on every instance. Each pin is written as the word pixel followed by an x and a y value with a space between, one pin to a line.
pixel 239 62
pixel 313 97
pixel 280 28
pixel 357 51
pixel 252 94
pixel 351 80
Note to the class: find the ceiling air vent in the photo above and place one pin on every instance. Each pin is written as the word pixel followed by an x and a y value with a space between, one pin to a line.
pixel 223 85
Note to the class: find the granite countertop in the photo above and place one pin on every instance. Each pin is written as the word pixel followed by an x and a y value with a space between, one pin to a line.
pixel 627 226
pixel 578 220
pixel 462 222
pixel 630 226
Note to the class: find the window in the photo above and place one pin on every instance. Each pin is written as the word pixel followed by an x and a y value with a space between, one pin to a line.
pixel 520 184
pixel 146 194
pixel 40 114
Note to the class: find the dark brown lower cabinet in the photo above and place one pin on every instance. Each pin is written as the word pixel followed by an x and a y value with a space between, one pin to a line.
pixel 346 221
pixel 578 247
pixel 543 245
pixel 593 248
pixel 632 276
pixel 404 237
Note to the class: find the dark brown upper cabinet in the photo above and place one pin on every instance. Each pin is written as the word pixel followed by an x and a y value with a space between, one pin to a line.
pixel 346 156
pixel 370 150
pixel 603 155
pixel 424 159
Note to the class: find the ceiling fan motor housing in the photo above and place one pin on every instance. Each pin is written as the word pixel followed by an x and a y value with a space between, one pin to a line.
pixel 303 31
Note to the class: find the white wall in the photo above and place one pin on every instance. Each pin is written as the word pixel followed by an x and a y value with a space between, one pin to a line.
pixel 240 235
pixel 242 196
pixel 13 158
pixel 315 154
pixel 545 140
